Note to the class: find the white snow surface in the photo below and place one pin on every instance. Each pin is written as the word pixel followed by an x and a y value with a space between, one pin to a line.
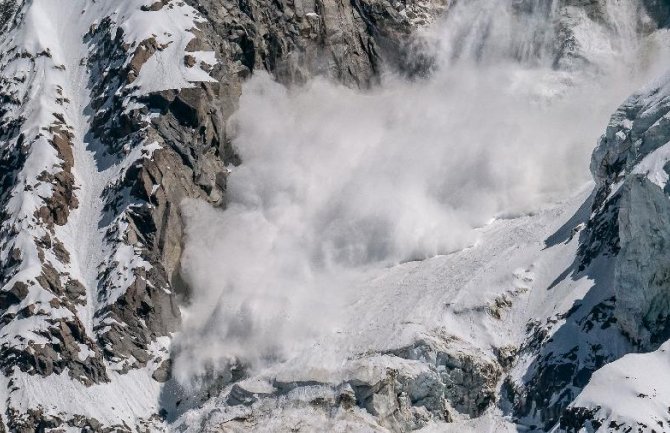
pixel 632 390
pixel 57 84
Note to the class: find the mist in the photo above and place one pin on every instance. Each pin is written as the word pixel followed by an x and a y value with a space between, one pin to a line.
pixel 336 181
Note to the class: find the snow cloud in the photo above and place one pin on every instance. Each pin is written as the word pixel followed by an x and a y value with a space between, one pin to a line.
pixel 335 181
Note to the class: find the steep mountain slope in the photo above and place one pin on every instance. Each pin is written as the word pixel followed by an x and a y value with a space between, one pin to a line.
pixel 630 168
pixel 527 330
pixel 422 342
pixel 114 114
pixel 81 304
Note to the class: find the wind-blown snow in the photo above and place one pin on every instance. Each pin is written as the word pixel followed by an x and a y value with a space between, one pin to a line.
pixel 446 296
pixel 336 182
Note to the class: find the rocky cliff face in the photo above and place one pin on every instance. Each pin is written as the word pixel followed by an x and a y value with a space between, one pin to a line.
pixel 629 167
pixel 113 113
pixel 626 229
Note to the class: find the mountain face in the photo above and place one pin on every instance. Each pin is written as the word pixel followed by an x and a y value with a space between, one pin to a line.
pixel 122 121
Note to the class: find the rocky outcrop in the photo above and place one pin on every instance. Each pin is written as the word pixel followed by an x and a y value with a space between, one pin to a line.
pixel 628 230
pixel 39 291
pixel 290 40
pixel 437 378
pixel 298 39
pixel 97 313
pixel 622 250
pixel 564 351
pixel 629 166
pixel 659 11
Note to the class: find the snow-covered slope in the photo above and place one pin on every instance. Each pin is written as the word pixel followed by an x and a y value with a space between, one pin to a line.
pixel 520 332
pixel 630 166
pixel 65 265
pixel 502 334
pixel 423 342
pixel 111 115
pixel 536 305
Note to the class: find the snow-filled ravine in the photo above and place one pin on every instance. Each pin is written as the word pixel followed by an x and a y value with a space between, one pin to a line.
pixel 50 69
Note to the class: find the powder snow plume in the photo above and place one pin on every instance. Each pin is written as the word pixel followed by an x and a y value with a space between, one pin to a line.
pixel 335 181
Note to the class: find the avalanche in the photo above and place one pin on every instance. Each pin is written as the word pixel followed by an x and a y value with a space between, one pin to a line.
pixel 366 216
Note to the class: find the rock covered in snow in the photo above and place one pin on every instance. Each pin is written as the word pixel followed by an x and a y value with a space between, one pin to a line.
pixel 630 168
pixel 112 114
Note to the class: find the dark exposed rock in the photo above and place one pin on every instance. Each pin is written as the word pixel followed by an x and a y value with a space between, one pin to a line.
pixel 350 42
pixel 577 418
pixel 293 40
pixel 68 337
pixel 659 10
pixel 630 214
pixel 57 208
pixel 142 313
pixel 61 141
pixel 622 250
pixel 567 350
pixel 189 61
pixel 143 52
pixel 61 253
pixel 8 10
pixel 13 296
pixel 155 6
pixel 163 372
pixel 36 420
